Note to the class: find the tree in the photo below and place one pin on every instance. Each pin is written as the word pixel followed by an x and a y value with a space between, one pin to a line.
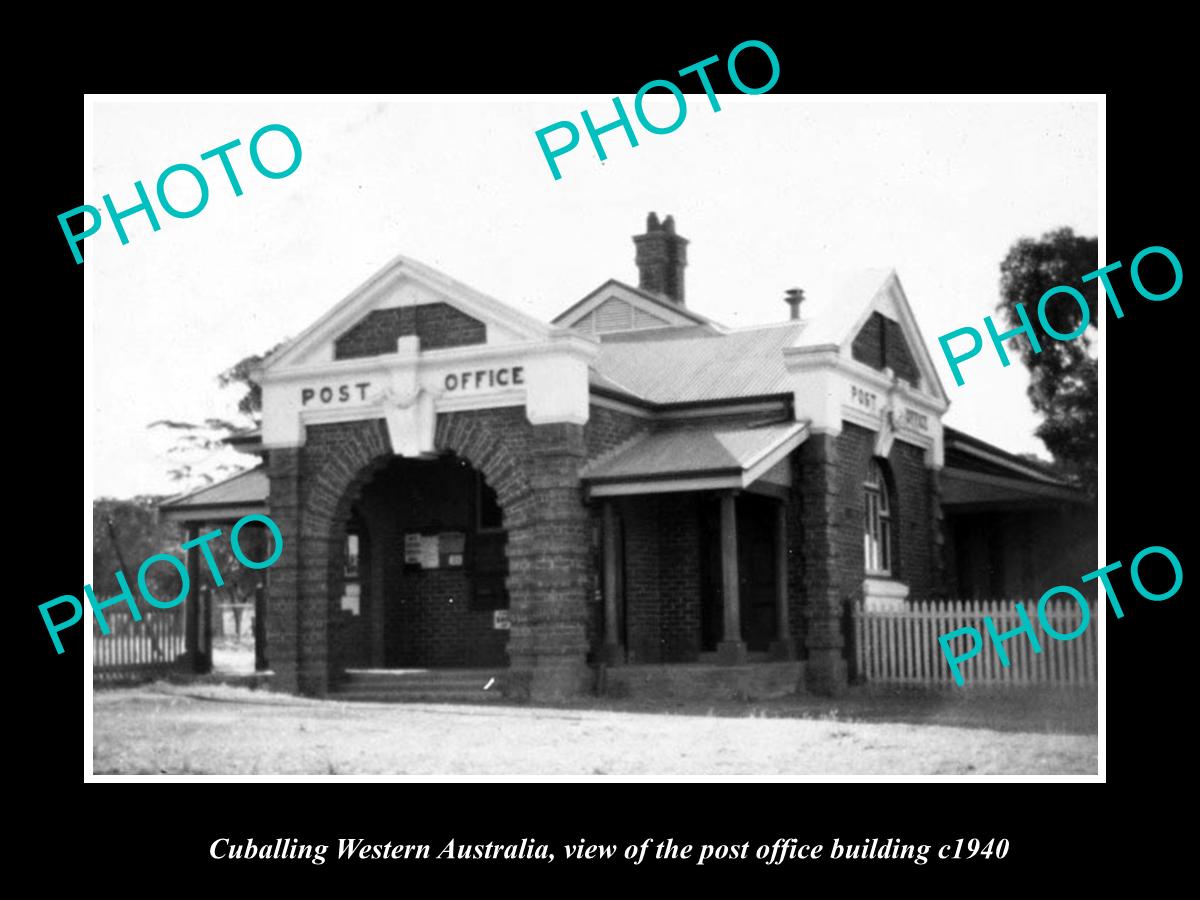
pixel 199 454
pixel 141 532
pixel 1064 376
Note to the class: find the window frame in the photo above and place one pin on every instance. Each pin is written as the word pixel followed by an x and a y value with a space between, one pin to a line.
pixel 878 519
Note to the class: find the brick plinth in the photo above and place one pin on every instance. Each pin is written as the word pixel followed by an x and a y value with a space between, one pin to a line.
pixel 550 569
pixel 821 527
pixel 283 626
pixel 940 575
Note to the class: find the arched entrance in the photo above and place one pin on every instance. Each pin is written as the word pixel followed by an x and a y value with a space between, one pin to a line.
pixel 534 471
pixel 418 574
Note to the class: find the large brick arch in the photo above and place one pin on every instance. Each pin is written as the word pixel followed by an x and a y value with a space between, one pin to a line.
pixel 496 443
pixel 534 471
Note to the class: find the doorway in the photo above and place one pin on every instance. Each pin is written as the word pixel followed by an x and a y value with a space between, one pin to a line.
pixel 424 583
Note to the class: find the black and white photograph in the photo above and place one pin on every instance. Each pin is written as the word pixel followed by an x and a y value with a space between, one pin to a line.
pixel 468 438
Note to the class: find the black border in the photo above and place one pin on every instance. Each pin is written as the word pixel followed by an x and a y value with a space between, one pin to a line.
pixel 1053 828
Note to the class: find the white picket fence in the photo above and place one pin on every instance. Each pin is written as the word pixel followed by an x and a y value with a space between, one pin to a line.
pixel 902 647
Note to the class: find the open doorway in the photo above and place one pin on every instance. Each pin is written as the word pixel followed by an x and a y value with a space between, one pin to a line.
pixel 422 577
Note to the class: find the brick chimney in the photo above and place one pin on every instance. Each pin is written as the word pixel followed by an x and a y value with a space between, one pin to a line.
pixel 661 257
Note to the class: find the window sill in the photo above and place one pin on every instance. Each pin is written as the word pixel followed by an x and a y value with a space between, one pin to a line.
pixel 883 593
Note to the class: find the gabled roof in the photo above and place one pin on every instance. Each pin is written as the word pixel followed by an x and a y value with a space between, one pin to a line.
pixel 696 360
pixel 360 300
pixel 834 318
pixel 674 312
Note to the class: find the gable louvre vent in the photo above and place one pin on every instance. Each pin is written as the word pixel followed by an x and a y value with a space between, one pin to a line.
pixel 614 315
pixel 643 319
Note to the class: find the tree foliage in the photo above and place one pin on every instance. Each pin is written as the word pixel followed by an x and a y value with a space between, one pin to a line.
pixel 250 403
pixel 141 533
pixel 1064 376
pixel 198 454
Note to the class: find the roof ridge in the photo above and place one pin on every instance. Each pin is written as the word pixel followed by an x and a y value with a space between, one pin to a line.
pixel 659 300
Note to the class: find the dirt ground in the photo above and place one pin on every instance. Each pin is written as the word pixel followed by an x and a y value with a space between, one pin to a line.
pixel 210 729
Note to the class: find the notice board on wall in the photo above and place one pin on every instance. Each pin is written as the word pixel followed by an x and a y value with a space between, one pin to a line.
pixel 446 549
pixel 414 549
pixel 452 547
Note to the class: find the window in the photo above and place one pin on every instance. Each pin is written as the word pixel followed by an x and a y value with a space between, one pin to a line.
pixel 877 522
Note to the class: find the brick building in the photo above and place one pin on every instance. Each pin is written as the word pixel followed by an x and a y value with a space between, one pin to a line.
pixel 634 484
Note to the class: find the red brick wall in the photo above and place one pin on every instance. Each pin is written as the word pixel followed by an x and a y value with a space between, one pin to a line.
pixel 822 543
pixel 642 556
pixel 679 577
pixel 608 428
pixel 912 491
pixel 854 446
pixel 880 344
pixel 436 627
pixel 661 577
pixel 435 324
pixel 912 512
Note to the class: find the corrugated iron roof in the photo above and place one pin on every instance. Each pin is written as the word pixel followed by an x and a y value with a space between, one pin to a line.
pixel 697 364
pixel 967 488
pixel 979 453
pixel 687 450
pixel 244 488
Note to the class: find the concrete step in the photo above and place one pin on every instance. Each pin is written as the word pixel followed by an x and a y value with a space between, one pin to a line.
pixel 417 697
pixel 430 687
pixel 420 685
pixel 375 675
pixel 752 656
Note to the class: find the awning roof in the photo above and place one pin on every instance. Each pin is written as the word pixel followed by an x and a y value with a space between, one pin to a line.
pixel 695 457
pixel 240 495
pixel 981 476
pixel 964 490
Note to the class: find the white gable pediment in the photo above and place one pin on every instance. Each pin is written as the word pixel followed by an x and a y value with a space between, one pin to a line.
pixel 411 343
pixel 891 303
pixel 405 283
pixel 830 386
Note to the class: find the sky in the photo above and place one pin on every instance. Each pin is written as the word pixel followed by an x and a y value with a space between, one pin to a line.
pixel 772 192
